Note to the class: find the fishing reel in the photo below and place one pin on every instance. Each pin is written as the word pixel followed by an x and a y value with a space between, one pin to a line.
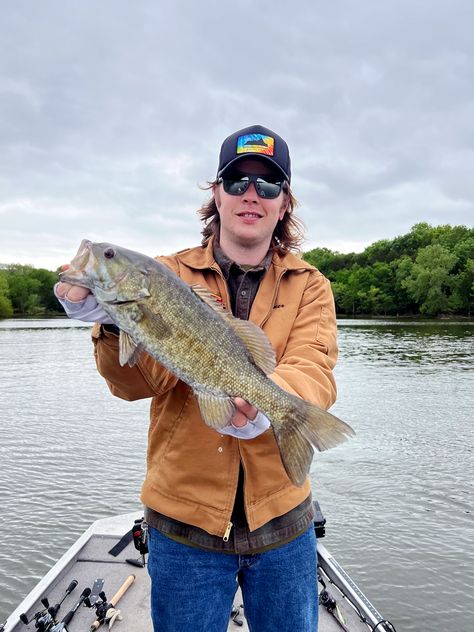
pixel 100 604
pixel 45 620
pixel 105 611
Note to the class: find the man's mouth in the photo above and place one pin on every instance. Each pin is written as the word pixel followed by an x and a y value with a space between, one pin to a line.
pixel 249 215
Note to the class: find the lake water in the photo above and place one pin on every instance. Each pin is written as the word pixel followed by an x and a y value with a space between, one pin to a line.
pixel 398 498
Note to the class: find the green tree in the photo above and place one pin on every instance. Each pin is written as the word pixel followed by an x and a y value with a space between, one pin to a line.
pixel 382 298
pixel 379 251
pixel 6 308
pixel 351 290
pixel 420 235
pixel 23 289
pixel 47 302
pixel 321 258
pixel 429 282
pixel 402 268
pixel 462 297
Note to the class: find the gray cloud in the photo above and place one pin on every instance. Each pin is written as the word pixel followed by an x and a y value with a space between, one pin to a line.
pixel 112 113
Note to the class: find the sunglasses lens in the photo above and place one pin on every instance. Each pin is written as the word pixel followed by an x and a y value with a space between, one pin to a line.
pixel 236 187
pixel 269 190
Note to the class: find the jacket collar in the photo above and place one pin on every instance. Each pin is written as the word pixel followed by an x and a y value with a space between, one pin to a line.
pixel 202 258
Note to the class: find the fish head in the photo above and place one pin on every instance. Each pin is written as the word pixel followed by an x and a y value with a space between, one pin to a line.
pixel 113 274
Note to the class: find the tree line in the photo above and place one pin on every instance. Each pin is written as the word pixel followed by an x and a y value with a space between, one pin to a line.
pixel 428 271
pixel 27 291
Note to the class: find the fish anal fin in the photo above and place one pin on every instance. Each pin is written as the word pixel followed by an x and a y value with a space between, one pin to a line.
pixel 128 350
pixel 216 411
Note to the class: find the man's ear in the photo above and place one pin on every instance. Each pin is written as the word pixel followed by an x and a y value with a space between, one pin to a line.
pixel 217 195
pixel 284 206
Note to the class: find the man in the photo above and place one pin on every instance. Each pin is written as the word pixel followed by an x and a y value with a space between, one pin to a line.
pixel 219 504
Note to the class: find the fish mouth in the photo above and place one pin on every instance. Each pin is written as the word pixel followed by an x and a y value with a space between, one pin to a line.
pixel 76 273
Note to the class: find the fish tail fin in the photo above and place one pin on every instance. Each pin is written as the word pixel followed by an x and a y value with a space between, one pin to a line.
pixel 306 425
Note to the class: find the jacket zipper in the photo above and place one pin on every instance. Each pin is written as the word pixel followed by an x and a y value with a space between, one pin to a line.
pixel 227 532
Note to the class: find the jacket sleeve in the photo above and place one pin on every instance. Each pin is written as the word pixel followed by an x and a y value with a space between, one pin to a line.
pixel 146 379
pixel 306 367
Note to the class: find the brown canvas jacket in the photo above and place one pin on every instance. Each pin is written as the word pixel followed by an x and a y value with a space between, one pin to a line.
pixel 192 470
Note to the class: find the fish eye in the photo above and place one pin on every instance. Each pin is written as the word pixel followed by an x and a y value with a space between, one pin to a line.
pixel 109 253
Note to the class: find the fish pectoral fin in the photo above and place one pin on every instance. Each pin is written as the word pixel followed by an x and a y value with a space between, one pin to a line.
pixel 128 350
pixel 216 411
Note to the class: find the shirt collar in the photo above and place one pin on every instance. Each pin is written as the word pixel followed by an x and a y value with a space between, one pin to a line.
pixel 227 264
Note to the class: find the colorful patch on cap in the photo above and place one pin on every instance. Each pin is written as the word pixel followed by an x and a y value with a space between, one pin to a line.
pixel 256 144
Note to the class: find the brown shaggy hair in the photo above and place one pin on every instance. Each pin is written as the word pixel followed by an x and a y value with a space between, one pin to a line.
pixel 288 234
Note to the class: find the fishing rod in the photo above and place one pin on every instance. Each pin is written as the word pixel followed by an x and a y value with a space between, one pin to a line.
pixel 327 600
pixel 45 619
pixel 62 626
pixel 348 590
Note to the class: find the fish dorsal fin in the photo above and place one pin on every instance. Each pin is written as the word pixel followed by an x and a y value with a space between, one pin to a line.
pixel 128 350
pixel 255 340
pixel 211 299
pixel 216 411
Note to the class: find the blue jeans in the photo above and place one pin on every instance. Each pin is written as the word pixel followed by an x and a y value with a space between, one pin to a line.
pixel 193 589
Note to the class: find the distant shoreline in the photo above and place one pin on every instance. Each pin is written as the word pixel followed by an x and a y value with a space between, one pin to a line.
pixel 340 317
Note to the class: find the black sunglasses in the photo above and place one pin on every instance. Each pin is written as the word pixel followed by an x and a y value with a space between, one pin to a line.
pixel 238 185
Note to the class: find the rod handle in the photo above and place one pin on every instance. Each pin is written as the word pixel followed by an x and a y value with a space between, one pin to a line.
pixel 122 590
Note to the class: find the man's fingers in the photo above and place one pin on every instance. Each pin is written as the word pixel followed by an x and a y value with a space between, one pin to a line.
pixel 62 289
pixel 77 293
pixel 74 293
pixel 242 406
pixel 239 420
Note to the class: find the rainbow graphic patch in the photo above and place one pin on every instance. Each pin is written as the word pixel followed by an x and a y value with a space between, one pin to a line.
pixel 256 144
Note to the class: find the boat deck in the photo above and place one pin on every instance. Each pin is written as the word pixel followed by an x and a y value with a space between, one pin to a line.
pixel 89 559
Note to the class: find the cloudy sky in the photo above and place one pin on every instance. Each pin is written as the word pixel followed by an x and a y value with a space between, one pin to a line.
pixel 112 113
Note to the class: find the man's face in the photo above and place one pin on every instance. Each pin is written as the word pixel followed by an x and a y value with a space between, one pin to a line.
pixel 248 220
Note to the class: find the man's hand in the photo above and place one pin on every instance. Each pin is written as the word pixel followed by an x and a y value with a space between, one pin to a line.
pixel 247 422
pixel 73 293
pixel 243 412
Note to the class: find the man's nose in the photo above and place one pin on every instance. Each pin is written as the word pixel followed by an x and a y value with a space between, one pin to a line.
pixel 251 194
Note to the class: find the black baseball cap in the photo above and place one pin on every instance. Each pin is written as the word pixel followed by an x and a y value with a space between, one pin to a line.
pixel 258 141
